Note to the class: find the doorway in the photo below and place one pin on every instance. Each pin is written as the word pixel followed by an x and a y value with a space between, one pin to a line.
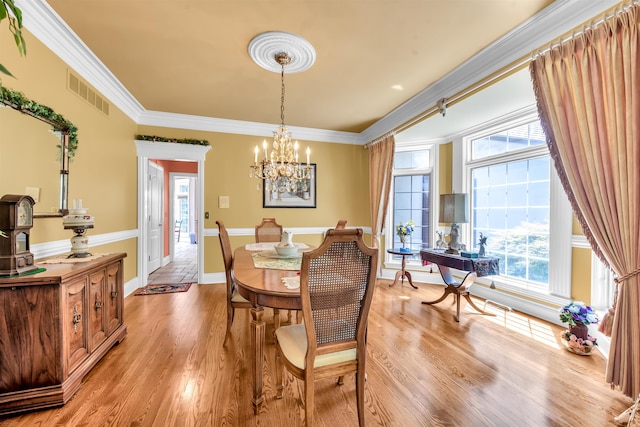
pixel 184 209
pixel 166 151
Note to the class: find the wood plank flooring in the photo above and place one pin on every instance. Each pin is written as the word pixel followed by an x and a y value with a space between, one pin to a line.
pixel 423 368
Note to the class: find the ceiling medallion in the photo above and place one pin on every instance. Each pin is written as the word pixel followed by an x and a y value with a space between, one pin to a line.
pixel 279 168
pixel 264 47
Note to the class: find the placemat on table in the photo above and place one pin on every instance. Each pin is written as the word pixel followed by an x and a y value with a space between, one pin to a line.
pixel 265 246
pixel 276 263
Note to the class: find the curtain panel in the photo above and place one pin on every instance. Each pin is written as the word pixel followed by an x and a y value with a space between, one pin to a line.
pixel 380 171
pixel 588 95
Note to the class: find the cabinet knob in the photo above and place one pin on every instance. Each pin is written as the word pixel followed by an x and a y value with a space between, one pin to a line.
pixel 98 304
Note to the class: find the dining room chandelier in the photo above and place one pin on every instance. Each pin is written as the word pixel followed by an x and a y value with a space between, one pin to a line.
pixel 280 168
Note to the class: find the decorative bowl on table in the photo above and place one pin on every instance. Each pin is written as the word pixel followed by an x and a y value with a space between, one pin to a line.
pixel 286 250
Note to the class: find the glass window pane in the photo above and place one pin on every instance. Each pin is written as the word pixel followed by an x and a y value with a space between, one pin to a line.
pixel 402 201
pixel 514 139
pixel 517 195
pixel 511 205
pixel 412 201
pixel 539 169
pixel 418 159
pixel 402 160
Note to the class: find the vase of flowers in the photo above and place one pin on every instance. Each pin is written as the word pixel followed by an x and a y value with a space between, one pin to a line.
pixel 404 230
pixel 578 316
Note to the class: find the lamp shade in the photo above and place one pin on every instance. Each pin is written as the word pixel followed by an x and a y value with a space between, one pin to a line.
pixel 453 208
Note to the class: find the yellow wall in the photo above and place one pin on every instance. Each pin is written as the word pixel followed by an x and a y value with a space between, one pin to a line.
pixel 103 173
pixel 445 180
pixel 342 183
pixel 104 176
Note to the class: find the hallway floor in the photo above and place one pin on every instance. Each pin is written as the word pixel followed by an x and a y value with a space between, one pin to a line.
pixel 183 268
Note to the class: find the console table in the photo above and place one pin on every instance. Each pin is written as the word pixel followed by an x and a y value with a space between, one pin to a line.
pixel 55 327
pixel 400 275
pixel 474 268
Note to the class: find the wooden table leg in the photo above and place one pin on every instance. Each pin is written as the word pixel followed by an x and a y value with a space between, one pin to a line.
pixel 400 275
pixel 458 290
pixel 257 355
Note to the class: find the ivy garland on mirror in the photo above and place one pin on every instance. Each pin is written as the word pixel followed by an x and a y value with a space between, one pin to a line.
pixel 174 140
pixel 21 103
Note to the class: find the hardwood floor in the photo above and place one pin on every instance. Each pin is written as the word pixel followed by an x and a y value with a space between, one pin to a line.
pixel 423 368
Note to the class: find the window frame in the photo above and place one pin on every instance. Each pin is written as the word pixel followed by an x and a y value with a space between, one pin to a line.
pixel 391 261
pixel 560 227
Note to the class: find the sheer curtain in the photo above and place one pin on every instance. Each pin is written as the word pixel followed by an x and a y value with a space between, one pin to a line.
pixel 380 170
pixel 588 95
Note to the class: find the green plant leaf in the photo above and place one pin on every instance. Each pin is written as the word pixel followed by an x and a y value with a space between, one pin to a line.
pixel 4 70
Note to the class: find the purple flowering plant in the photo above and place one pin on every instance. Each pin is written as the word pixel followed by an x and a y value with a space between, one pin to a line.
pixel 577 312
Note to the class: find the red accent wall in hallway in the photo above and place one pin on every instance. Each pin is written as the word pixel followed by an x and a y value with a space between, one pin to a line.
pixel 172 166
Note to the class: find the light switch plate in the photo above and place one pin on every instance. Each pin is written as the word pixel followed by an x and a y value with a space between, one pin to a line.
pixel 223 202
pixel 34 192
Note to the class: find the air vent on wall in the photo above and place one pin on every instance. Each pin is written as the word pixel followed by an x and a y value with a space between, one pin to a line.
pixel 78 87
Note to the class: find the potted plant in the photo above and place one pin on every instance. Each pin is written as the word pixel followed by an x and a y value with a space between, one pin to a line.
pixel 578 316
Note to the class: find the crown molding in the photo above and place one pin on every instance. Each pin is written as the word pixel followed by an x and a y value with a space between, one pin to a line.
pixel 183 121
pixel 47 26
pixel 558 18
pixel 555 20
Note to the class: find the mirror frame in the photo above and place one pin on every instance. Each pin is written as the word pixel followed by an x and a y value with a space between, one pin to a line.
pixel 59 124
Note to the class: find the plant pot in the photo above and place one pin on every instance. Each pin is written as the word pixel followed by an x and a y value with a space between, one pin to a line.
pixel 580 330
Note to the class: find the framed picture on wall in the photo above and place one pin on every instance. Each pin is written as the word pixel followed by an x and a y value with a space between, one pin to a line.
pixel 304 196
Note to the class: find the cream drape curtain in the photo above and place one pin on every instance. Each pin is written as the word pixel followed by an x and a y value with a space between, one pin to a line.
pixel 380 171
pixel 588 95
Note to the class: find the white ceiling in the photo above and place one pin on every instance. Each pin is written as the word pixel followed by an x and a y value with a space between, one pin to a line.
pixel 379 63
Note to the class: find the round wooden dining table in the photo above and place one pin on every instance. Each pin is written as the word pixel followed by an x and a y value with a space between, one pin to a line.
pixel 263 287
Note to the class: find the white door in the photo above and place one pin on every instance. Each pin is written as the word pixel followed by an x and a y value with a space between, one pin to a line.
pixel 155 217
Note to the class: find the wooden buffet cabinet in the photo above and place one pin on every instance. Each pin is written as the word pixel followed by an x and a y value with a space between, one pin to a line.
pixel 55 326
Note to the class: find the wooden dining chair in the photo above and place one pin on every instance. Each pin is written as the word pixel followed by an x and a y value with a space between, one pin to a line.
pixel 337 281
pixel 234 299
pixel 177 229
pixel 268 231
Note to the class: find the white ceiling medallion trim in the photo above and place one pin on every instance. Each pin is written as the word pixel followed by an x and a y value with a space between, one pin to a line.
pixel 264 47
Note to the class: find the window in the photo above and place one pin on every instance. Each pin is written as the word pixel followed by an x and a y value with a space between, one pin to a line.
pixel 412 197
pixel 510 188
pixel 184 213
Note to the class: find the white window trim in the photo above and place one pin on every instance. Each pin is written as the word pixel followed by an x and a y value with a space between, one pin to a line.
pixel 390 265
pixel 559 290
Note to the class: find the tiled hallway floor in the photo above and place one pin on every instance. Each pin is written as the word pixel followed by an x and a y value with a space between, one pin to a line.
pixel 183 268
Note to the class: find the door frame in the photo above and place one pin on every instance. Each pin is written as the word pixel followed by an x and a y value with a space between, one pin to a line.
pixel 166 151
pixel 172 220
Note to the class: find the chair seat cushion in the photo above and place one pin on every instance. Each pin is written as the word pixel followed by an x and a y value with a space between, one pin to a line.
pixel 236 297
pixel 293 342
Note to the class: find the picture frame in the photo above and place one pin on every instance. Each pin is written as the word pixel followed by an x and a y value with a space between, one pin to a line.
pixel 305 197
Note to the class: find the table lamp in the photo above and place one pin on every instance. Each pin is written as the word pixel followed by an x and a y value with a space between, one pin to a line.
pixel 453 209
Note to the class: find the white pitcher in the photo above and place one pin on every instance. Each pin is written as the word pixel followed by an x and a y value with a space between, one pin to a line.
pixel 286 239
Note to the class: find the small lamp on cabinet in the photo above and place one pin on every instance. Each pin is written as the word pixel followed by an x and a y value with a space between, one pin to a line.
pixel 453 210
